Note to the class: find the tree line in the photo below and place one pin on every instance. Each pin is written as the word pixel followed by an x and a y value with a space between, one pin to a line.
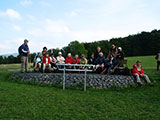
pixel 141 44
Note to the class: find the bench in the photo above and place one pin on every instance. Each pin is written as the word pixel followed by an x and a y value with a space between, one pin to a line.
pixel 64 68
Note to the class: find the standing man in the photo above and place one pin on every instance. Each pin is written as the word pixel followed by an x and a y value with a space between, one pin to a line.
pixel 158 60
pixel 97 53
pixel 113 51
pixel 24 52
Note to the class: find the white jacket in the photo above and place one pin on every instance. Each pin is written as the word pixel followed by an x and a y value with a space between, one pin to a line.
pixel 60 60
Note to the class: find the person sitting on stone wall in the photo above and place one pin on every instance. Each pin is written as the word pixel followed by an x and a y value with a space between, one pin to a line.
pixel 46 62
pixel 76 60
pixel 120 57
pixel 69 60
pixel 37 62
pixel 53 61
pixel 138 73
pixel 111 63
pixel 83 61
pixel 60 58
pixel 92 60
pixel 100 63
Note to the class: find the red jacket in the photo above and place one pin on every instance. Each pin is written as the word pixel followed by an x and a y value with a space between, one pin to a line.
pixel 69 60
pixel 44 60
pixel 76 61
pixel 135 70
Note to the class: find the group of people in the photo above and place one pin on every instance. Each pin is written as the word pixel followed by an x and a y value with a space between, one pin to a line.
pixel 115 56
pixel 44 60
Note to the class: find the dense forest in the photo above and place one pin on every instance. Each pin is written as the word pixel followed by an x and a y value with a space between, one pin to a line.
pixel 141 44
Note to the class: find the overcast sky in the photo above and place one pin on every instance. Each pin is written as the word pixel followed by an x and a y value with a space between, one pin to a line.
pixel 55 23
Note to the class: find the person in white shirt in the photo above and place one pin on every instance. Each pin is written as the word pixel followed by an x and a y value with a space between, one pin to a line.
pixel 60 58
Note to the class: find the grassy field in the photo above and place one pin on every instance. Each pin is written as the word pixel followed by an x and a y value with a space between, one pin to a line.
pixel 148 62
pixel 30 101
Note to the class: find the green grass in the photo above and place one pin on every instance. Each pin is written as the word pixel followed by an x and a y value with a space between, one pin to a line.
pixel 148 62
pixel 30 101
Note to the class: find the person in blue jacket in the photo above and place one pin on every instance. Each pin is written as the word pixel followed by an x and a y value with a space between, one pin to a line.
pixel 100 63
pixel 24 56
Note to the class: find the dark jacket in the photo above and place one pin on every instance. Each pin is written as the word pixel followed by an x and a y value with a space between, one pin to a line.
pixel 120 55
pixel 96 54
pixel 25 49
pixel 101 60
pixel 92 61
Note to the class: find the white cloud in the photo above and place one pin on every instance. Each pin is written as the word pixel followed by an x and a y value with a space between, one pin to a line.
pixel 11 14
pixel 73 14
pixel 10 45
pixel 31 17
pixel 55 26
pixel 26 2
pixel 16 27
pixel 44 3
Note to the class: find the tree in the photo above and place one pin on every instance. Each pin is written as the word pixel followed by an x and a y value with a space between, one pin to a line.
pixel 75 48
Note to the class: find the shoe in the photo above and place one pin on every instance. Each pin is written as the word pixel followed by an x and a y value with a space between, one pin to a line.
pixel 151 84
pixel 140 84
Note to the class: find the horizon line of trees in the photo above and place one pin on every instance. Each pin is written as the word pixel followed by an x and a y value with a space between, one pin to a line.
pixel 141 44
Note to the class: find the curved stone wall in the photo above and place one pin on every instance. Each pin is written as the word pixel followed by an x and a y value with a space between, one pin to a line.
pixel 93 80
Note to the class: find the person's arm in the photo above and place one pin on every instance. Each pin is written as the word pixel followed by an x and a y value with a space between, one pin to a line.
pixel 86 61
pixel 134 71
pixel 23 49
pixel 49 60
pixel 116 53
pixel 55 60
pixel 104 61
pixel 66 60
pixel 142 72
pixel 156 57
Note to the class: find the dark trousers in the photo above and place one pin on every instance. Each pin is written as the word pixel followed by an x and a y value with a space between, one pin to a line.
pixel 158 63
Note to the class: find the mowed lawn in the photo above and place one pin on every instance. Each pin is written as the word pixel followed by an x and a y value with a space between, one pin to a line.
pixel 30 101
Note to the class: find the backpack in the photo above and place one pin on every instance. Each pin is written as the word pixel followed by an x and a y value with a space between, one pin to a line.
pixel 20 50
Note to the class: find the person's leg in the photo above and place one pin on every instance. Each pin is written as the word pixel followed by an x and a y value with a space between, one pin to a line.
pixel 22 64
pixel 44 67
pixel 49 66
pixel 39 66
pixel 158 63
pixel 146 78
pixel 26 64
pixel 138 78
pixel 35 66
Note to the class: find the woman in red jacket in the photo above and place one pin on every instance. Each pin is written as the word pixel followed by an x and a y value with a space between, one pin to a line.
pixel 69 60
pixel 137 71
pixel 46 62
pixel 76 60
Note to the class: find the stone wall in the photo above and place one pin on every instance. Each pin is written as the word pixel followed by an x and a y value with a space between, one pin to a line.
pixel 93 80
